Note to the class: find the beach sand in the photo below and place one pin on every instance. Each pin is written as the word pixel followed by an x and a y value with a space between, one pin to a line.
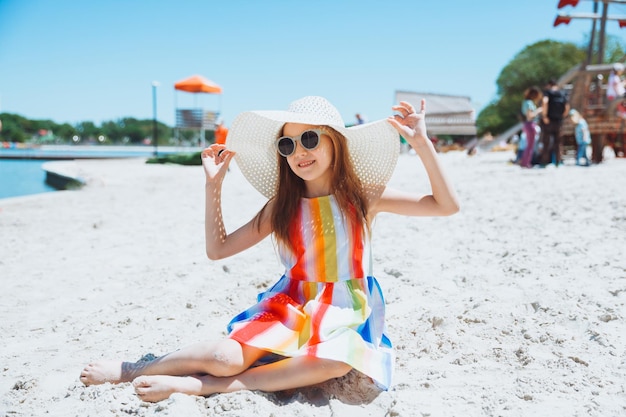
pixel 512 307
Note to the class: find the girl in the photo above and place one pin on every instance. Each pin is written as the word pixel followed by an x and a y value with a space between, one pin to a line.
pixel 530 113
pixel 325 316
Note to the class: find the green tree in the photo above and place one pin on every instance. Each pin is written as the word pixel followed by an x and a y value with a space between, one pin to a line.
pixel 17 128
pixel 65 131
pixel 614 49
pixel 534 65
pixel 135 130
pixel 87 130
pixel 113 130
pixel 12 128
pixel 164 132
pixel 488 119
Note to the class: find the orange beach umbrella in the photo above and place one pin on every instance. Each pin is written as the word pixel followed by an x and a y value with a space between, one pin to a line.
pixel 198 84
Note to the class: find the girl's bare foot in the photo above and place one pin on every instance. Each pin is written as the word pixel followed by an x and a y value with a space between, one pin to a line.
pixel 111 371
pixel 100 372
pixel 160 387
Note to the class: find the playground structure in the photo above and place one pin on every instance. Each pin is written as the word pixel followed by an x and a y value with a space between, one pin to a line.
pixel 196 118
pixel 585 86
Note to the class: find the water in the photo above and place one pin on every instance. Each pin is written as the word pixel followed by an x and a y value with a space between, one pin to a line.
pixel 77 152
pixel 19 177
pixel 21 172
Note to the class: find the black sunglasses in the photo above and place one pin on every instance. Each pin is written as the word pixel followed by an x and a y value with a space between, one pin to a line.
pixel 309 139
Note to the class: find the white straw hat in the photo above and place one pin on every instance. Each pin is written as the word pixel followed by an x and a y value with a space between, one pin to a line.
pixel 373 147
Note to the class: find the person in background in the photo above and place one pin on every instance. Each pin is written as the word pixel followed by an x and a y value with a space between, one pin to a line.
pixel 621 109
pixel 221 132
pixel 359 119
pixel 583 136
pixel 530 114
pixel 615 87
pixel 554 109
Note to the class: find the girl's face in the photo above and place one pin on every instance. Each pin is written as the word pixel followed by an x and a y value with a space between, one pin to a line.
pixel 312 165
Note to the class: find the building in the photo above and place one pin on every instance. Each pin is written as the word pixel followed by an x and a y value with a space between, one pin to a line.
pixel 445 114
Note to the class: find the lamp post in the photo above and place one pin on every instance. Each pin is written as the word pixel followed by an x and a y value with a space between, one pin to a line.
pixel 155 138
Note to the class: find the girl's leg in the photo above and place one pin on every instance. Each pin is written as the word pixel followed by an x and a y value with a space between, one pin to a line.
pixel 285 374
pixel 223 358
pixel 529 130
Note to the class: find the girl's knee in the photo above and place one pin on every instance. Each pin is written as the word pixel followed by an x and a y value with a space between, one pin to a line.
pixel 342 369
pixel 226 358
pixel 336 369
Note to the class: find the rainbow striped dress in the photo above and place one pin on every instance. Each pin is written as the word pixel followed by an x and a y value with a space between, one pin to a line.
pixel 327 304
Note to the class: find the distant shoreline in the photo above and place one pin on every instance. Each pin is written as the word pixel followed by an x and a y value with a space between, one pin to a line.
pixel 68 152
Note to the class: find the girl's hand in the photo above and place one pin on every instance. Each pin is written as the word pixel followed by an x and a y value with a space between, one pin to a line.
pixel 410 124
pixel 215 160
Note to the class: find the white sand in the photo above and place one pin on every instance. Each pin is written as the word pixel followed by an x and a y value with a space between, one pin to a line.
pixel 513 307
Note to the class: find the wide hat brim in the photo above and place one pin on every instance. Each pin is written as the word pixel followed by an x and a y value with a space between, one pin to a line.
pixel 373 147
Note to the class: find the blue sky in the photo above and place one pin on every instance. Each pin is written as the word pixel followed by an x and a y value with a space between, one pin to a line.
pixel 95 60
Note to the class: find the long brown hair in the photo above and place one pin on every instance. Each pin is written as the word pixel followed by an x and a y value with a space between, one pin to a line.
pixel 533 93
pixel 345 185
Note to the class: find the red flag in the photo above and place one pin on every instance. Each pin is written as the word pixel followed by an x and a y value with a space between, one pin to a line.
pixel 562 19
pixel 563 3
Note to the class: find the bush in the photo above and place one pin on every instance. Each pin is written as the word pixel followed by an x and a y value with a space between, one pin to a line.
pixel 179 158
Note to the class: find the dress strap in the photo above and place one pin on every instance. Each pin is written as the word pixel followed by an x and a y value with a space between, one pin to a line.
pixel 370 256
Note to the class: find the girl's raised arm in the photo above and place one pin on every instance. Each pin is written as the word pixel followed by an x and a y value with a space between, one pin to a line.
pixel 219 243
pixel 443 200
